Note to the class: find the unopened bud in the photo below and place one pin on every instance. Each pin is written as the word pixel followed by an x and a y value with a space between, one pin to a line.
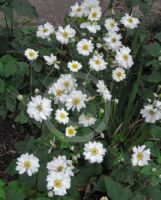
pixel 102 135
pixel 19 97
pixel 50 194
pixel 37 91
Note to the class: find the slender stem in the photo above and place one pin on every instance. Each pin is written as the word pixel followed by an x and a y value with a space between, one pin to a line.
pixel 31 82
pixel 45 79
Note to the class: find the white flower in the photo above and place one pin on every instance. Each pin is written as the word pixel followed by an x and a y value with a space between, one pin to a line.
pixel 62 116
pixel 104 198
pixel 151 113
pixel 86 120
pixel 39 108
pixel 60 165
pixel 129 21
pixel 111 25
pixel 140 156
pixel 27 163
pixel 113 41
pixel 85 47
pixel 97 62
pixel 64 34
pixel 91 27
pixel 88 5
pixel 76 11
pixel 76 100
pixel 70 131
pixel 31 54
pixel 103 90
pixel 59 183
pixel 58 91
pixel 118 74
pixel 158 104
pixel 95 14
pixel 123 57
pixel 67 82
pixel 44 31
pixel 94 152
pixel 74 66
pixel 51 60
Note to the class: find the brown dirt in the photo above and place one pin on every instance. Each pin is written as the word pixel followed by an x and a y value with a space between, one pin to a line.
pixel 9 135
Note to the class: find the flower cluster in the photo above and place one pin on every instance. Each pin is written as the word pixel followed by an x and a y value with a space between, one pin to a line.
pixel 60 171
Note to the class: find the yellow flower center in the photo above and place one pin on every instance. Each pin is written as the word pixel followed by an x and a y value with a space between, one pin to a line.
pixel 66 84
pixel 62 115
pixel 152 112
pixel 27 164
pixel 140 156
pixel 39 107
pixel 94 151
pixel 76 101
pixel 125 57
pixel 31 54
pixel 85 47
pixel 112 24
pixel 97 62
pixel 74 65
pixel 71 131
pixel 60 168
pixel 113 40
pixel 130 20
pixel 59 93
pixel 78 9
pixel 57 183
pixel 119 74
pixel 45 30
pixel 65 34
pixel 94 14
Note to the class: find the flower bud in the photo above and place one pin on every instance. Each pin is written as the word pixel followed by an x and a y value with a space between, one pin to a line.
pixel 20 97
pixel 50 194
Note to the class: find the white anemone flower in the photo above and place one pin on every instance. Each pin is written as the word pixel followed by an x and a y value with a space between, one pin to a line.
pixel 76 100
pixel 85 47
pixel 44 31
pixel 31 54
pixel 52 60
pixel 62 116
pixel 63 35
pixel 59 183
pixel 129 21
pixel 86 120
pixel 94 152
pixel 97 62
pixel 123 57
pixel 39 108
pixel 140 156
pixel 118 74
pixel 27 163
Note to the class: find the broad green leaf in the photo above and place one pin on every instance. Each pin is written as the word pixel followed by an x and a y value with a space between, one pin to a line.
pixel 117 191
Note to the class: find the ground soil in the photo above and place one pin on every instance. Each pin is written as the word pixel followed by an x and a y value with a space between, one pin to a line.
pixel 9 135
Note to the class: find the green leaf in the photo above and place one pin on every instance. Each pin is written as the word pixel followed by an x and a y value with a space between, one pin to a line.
pixel 14 191
pixel 153 49
pixel 3 112
pixel 2 86
pixel 117 191
pixel 22 118
pixel 153 193
pixel 155 77
pixel 24 8
pixel 10 104
pixel 158 36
